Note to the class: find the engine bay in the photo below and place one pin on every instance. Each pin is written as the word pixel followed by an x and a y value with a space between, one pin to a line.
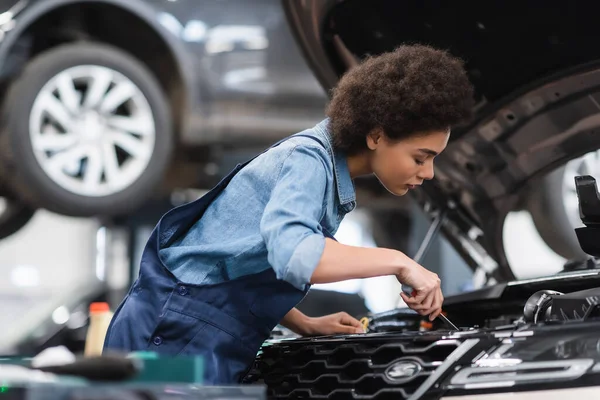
pixel 572 295
pixel 513 336
pixel 567 297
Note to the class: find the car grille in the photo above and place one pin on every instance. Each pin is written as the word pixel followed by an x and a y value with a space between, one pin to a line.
pixel 358 368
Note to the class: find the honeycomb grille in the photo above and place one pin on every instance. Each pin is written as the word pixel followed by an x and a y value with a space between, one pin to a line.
pixel 347 369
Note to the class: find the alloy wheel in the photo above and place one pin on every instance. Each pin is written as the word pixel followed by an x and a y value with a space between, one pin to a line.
pixel 92 130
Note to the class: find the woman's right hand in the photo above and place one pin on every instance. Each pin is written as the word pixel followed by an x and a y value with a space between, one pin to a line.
pixel 427 295
pixel 341 262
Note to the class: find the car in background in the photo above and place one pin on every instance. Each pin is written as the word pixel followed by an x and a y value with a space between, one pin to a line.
pixel 537 79
pixel 100 117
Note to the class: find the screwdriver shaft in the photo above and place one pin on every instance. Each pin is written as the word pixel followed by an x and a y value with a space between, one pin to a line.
pixel 448 322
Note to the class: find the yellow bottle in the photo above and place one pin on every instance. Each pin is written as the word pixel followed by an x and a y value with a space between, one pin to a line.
pixel 100 316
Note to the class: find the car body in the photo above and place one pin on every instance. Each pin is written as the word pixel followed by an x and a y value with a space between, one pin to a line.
pixel 536 83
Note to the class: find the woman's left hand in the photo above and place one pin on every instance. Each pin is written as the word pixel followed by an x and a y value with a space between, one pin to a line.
pixel 332 324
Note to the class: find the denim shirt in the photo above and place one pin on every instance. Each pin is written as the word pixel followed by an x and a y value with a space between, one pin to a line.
pixel 275 213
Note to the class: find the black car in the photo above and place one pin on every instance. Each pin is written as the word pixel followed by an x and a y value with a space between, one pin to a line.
pixel 538 89
pixel 539 338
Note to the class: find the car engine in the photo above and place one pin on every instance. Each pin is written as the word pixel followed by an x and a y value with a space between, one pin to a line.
pixel 515 336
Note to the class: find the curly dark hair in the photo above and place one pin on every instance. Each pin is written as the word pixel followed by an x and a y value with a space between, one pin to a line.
pixel 413 89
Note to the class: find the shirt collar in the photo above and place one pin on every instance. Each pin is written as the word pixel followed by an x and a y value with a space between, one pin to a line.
pixel 345 187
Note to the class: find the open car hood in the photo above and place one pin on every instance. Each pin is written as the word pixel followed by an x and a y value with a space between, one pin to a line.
pixel 538 103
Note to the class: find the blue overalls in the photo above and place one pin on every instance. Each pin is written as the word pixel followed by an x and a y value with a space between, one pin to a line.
pixel 226 323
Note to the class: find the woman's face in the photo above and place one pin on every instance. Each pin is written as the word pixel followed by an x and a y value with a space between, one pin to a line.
pixel 403 165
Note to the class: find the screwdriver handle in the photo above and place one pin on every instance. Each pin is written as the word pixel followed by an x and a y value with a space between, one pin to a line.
pixel 412 293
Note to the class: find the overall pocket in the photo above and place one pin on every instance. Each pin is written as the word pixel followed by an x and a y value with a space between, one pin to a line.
pixel 174 332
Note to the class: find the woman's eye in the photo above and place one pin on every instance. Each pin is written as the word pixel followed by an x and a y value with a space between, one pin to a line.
pixel 419 162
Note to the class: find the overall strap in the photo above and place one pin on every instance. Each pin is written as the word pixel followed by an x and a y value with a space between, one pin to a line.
pixel 180 219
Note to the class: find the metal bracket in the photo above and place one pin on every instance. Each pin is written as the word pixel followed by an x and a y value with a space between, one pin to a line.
pixel 432 233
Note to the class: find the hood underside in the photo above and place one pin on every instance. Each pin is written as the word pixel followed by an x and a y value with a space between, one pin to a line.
pixel 537 93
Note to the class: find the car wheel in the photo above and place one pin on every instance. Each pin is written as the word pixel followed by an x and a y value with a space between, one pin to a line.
pixel 554 206
pixel 14 214
pixel 88 131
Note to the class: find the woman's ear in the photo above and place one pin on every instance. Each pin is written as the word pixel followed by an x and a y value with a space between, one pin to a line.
pixel 374 138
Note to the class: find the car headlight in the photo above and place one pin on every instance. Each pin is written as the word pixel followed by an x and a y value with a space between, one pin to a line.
pixel 528 361
pixel 526 372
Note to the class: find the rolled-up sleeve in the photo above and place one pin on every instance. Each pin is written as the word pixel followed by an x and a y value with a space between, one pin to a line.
pixel 290 224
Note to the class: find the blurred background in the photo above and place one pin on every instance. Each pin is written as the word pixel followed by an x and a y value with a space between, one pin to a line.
pixel 114 112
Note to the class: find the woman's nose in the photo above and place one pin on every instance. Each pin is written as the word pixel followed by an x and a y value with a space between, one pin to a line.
pixel 426 172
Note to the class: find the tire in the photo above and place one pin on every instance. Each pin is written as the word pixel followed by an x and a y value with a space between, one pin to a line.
pixel 14 214
pixel 141 147
pixel 554 209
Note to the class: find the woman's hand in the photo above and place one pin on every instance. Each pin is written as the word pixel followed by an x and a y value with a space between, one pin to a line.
pixel 339 323
pixel 427 297
pixel 331 324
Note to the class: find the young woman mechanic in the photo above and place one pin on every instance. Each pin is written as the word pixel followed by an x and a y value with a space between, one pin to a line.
pixel 219 273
